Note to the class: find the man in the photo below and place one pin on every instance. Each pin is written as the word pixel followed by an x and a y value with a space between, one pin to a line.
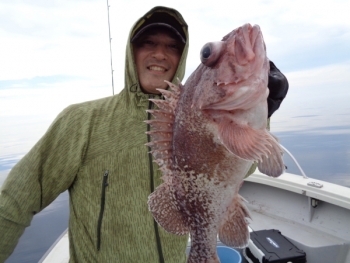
pixel 97 151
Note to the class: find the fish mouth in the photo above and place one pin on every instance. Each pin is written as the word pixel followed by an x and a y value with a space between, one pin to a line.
pixel 213 105
pixel 223 84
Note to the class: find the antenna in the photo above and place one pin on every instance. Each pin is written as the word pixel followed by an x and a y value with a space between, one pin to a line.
pixel 110 46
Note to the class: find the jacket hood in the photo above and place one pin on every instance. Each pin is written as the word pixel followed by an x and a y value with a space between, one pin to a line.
pixel 157 13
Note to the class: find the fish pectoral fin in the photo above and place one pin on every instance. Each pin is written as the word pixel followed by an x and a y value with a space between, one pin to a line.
pixel 164 211
pixel 244 141
pixel 233 230
pixel 272 164
pixel 253 145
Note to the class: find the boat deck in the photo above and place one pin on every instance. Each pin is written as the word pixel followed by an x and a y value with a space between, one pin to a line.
pixel 316 220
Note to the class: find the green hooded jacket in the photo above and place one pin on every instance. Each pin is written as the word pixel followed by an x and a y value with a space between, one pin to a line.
pixel 97 151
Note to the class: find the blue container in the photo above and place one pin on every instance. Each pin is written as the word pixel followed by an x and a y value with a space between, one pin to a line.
pixel 228 255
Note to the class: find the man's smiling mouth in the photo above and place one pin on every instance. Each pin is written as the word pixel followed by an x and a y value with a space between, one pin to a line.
pixel 156 68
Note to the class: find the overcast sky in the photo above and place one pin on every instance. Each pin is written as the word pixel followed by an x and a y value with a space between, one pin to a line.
pixel 55 53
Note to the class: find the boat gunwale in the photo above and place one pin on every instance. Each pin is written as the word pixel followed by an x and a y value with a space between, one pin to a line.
pixel 332 193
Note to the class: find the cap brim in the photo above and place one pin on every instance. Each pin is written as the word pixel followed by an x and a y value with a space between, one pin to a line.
pixel 147 27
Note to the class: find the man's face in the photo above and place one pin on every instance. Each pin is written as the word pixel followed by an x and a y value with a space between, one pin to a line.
pixel 157 57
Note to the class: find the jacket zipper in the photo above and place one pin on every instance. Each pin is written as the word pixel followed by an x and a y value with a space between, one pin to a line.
pixel 103 197
pixel 155 224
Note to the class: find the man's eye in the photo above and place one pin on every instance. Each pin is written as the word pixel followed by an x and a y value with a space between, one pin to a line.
pixel 149 42
pixel 174 47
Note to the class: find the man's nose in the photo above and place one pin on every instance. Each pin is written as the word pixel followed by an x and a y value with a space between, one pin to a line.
pixel 160 52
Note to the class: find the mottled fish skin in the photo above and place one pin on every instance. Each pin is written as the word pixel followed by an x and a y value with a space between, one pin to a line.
pixel 206 135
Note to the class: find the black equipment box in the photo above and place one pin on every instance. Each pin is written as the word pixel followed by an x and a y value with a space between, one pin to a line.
pixel 270 246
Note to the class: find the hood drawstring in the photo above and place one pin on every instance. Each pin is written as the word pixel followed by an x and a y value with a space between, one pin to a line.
pixel 133 88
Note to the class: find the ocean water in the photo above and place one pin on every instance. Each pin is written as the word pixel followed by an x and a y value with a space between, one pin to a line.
pixel 45 228
pixel 322 155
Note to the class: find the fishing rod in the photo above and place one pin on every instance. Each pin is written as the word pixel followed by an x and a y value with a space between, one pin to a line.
pixel 110 46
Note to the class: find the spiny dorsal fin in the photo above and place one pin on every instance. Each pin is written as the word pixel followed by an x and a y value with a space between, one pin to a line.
pixel 162 128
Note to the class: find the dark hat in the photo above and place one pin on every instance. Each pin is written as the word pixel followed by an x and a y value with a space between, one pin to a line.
pixel 154 25
pixel 161 20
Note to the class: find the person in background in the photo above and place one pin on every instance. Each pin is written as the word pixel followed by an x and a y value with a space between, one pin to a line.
pixel 97 151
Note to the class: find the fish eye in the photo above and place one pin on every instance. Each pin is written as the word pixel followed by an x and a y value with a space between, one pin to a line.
pixel 205 53
pixel 211 52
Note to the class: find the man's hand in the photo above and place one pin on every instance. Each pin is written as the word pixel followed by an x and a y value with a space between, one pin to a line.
pixel 278 86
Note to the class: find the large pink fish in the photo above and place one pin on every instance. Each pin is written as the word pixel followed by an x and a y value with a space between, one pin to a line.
pixel 206 135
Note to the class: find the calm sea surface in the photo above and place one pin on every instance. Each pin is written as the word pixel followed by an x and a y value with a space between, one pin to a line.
pixel 322 156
